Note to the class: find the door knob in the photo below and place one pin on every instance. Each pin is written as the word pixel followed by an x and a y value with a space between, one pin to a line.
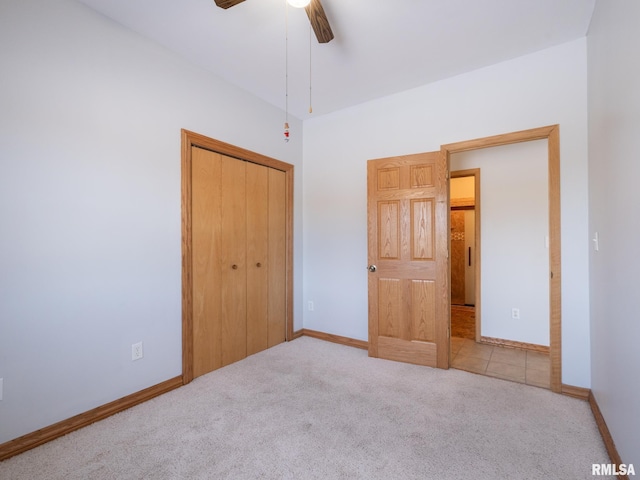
pixel 235 267
pixel 372 268
pixel 258 264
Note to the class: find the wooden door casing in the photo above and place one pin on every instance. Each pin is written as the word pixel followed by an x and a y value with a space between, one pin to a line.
pixel 201 292
pixel 408 222
pixel 552 134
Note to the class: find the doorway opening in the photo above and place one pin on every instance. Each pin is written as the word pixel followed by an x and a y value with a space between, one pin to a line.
pixel 464 187
pixel 494 348
pixel 515 214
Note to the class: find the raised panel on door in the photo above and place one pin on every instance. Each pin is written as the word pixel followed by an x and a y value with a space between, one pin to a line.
pixel 422 233
pixel 389 229
pixel 257 188
pixel 206 242
pixel 277 257
pixel 407 222
pixel 423 319
pixel 391 321
pixel 233 285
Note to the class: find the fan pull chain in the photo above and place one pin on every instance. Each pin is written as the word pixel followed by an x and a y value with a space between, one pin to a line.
pixel 286 71
pixel 310 76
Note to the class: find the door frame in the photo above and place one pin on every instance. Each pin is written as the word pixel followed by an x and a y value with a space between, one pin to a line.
pixel 552 134
pixel 475 173
pixel 189 140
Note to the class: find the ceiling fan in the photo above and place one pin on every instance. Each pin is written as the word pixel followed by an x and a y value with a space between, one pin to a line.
pixel 314 10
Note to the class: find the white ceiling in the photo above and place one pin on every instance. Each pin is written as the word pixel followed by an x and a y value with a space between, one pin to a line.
pixel 380 46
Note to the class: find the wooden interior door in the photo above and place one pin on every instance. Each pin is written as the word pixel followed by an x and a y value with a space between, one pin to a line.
pixel 408 217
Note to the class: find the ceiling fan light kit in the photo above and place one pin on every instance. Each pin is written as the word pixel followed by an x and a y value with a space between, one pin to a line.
pixel 322 29
pixel 314 10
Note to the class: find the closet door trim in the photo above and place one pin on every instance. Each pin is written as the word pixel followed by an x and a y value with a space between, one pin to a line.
pixel 190 140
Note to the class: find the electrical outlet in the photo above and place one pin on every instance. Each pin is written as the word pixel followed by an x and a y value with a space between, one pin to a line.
pixel 136 351
pixel 310 305
pixel 515 313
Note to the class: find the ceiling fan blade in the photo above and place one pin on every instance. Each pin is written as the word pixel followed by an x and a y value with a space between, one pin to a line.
pixel 319 21
pixel 227 3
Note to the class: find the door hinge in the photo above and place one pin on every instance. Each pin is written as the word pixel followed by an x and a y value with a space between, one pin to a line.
pixel 447 174
pixel 447 253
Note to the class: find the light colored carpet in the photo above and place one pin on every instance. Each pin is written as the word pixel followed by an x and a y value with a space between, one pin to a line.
pixel 310 409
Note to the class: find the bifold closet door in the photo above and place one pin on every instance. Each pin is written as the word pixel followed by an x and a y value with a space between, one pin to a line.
pixel 257 186
pixel 233 253
pixel 206 241
pixel 266 249
pixel 277 258
pixel 219 237
pixel 239 259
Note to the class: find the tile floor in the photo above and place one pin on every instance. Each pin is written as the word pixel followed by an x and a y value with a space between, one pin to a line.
pixel 523 366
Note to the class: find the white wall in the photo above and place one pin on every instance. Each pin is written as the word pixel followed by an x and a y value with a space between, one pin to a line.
pixel 614 150
pixel 514 221
pixel 540 89
pixel 90 248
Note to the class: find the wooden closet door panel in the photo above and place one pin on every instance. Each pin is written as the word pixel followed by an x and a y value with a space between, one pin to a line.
pixel 206 240
pixel 233 285
pixel 257 256
pixel 277 257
